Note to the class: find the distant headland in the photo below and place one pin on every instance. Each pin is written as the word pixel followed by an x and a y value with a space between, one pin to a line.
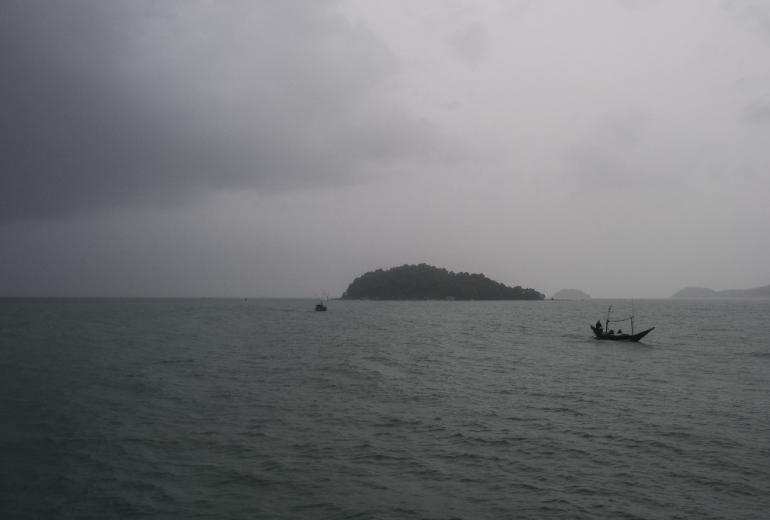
pixel 425 282
pixel 703 292
pixel 570 294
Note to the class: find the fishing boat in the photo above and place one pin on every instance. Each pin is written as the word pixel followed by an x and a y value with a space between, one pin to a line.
pixel 320 307
pixel 606 333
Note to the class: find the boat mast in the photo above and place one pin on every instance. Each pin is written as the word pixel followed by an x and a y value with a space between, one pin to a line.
pixel 632 317
pixel 607 323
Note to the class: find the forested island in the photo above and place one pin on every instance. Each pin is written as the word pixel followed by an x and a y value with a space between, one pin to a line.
pixel 704 292
pixel 425 282
pixel 571 294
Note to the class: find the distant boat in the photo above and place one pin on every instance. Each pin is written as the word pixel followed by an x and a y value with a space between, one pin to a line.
pixel 605 333
pixel 320 307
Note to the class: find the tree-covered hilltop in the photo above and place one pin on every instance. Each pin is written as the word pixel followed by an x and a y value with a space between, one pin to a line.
pixel 571 294
pixel 425 282
pixel 703 292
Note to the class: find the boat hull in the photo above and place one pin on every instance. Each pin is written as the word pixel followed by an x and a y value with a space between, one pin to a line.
pixel 621 337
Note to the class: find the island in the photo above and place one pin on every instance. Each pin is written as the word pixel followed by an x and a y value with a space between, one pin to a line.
pixel 703 292
pixel 426 282
pixel 570 294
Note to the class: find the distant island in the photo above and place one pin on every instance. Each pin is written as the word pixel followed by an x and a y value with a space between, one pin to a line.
pixel 570 294
pixel 703 292
pixel 425 282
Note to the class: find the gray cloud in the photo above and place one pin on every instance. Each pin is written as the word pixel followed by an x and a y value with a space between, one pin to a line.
pixel 112 104
pixel 622 129
pixel 638 4
pixel 608 158
pixel 470 43
pixel 753 13
pixel 758 113
pixel 597 169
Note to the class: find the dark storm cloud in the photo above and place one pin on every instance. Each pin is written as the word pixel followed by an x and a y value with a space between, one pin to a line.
pixel 143 103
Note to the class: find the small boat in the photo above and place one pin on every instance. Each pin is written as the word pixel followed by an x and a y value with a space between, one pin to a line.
pixel 320 307
pixel 605 333
pixel 621 337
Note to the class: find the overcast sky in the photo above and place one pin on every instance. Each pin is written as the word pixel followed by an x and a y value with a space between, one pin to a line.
pixel 285 147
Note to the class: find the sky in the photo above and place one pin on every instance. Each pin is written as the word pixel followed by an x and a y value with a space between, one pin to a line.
pixel 281 148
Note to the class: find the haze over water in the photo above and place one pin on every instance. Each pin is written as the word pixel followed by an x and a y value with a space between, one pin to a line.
pixel 266 409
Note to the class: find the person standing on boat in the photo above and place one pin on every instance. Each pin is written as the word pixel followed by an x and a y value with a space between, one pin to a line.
pixel 598 327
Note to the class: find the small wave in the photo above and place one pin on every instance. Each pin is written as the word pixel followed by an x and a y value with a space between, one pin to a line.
pixel 676 435
pixel 240 478
pixel 393 422
pixel 177 361
pixel 665 446
pixel 697 479
pixel 558 409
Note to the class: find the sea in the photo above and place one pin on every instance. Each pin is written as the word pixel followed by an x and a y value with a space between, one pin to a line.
pixel 266 409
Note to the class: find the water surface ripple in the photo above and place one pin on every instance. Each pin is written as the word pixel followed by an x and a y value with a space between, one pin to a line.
pixel 386 410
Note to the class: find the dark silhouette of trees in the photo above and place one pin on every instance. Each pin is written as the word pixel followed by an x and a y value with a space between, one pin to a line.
pixel 425 282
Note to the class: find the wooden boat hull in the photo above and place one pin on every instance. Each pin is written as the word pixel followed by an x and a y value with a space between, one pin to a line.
pixel 621 337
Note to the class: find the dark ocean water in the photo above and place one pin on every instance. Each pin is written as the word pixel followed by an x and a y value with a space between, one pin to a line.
pixel 399 410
